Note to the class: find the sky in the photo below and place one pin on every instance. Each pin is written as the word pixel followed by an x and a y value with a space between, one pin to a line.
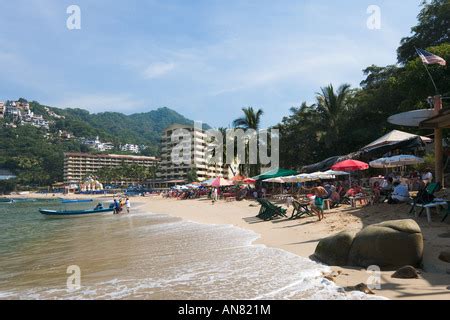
pixel 206 59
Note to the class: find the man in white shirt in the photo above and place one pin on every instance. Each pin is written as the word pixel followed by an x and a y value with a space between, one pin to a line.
pixel 427 177
pixel 400 193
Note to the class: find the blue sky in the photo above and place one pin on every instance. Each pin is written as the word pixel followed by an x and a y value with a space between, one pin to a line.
pixel 203 58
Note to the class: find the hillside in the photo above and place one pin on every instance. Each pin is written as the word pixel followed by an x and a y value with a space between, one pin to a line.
pixel 35 155
pixel 140 128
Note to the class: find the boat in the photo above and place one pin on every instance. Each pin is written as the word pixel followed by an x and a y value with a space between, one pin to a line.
pixel 3 200
pixel 75 213
pixel 77 200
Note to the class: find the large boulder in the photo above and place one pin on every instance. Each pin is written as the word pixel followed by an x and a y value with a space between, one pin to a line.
pixel 334 250
pixel 388 245
pixel 391 244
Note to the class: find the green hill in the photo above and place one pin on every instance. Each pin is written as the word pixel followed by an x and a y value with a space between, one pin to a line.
pixel 36 155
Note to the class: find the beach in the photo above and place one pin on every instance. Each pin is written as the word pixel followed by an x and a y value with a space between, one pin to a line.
pixel 302 236
pixel 295 237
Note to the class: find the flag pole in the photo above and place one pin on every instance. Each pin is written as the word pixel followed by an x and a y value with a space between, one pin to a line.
pixel 428 71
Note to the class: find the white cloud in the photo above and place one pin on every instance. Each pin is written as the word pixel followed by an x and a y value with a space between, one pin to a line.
pixel 158 69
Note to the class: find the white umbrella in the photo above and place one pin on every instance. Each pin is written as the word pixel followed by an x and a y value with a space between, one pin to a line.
pixel 275 180
pixel 290 179
pixel 306 177
pixel 337 173
pixel 379 163
pixel 323 175
pixel 403 160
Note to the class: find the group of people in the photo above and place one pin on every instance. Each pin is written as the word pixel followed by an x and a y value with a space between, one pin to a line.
pixel 120 203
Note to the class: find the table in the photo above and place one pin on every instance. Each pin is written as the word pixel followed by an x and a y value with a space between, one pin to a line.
pixel 435 204
pixel 367 199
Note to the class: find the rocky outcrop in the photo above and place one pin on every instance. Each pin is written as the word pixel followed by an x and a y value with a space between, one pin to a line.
pixel 445 256
pixel 390 244
pixel 334 250
pixel 406 272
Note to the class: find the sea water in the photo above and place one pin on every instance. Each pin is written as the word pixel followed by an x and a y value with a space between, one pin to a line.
pixel 146 256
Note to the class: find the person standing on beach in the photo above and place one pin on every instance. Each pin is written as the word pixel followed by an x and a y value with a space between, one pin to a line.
pixel 116 206
pixel 128 205
pixel 215 195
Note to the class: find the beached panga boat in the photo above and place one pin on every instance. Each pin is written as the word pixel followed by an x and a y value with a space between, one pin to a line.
pixel 3 200
pixel 74 213
pixel 77 200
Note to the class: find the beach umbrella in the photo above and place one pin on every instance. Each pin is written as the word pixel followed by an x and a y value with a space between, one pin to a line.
pixel 276 173
pixel 290 179
pixel 221 182
pixel 337 173
pixel 208 182
pixel 350 166
pixel 323 175
pixel 306 177
pixel 403 160
pixel 275 180
pixel 379 163
pixel 249 181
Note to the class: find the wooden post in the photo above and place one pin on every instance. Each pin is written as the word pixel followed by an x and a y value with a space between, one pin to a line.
pixel 438 149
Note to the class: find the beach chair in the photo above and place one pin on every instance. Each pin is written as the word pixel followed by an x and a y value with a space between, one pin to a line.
pixel 425 196
pixel 447 212
pixel 300 210
pixel 268 210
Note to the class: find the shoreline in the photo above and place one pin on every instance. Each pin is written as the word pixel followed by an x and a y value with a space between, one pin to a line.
pixel 300 237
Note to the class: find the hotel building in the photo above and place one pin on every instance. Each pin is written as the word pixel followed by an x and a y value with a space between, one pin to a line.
pixel 79 166
pixel 169 171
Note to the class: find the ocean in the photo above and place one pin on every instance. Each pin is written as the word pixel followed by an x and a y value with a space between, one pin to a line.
pixel 146 256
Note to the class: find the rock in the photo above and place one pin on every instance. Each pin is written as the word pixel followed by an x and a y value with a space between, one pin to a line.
pixel 407 272
pixel 360 287
pixel 445 256
pixel 389 244
pixel 334 250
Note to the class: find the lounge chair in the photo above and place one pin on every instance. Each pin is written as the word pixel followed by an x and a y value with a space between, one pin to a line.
pixel 269 211
pixel 425 196
pixel 300 209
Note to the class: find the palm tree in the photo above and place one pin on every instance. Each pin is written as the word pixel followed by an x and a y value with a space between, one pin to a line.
pixel 331 105
pixel 250 120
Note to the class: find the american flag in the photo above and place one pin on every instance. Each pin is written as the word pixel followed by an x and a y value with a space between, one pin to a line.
pixel 429 58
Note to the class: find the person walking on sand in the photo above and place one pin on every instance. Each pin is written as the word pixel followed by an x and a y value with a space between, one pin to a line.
pixel 215 195
pixel 319 202
pixel 128 205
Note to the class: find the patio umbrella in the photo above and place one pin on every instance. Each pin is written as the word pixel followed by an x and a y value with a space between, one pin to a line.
pixel 403 160
pixel 221 182
pixel 306 177
pixel 350 166
pixel 323 175
pixel 379 163
pixel 337 173
pixel 276 173
pixel 275 180
pixel 249 181
pixel 208 182
pixel 238 179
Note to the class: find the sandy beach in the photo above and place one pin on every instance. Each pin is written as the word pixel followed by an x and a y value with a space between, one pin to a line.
pixel 301 237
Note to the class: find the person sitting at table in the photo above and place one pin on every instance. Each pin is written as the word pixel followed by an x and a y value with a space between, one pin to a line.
pixel 376 189
pixel 335 198
pixel 400 194
pixel 387 186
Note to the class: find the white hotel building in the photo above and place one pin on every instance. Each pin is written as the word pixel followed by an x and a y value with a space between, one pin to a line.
pixel 170 171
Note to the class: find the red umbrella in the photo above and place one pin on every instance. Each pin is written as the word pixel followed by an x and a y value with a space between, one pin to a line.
pixel 350 165
pixel 249 181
